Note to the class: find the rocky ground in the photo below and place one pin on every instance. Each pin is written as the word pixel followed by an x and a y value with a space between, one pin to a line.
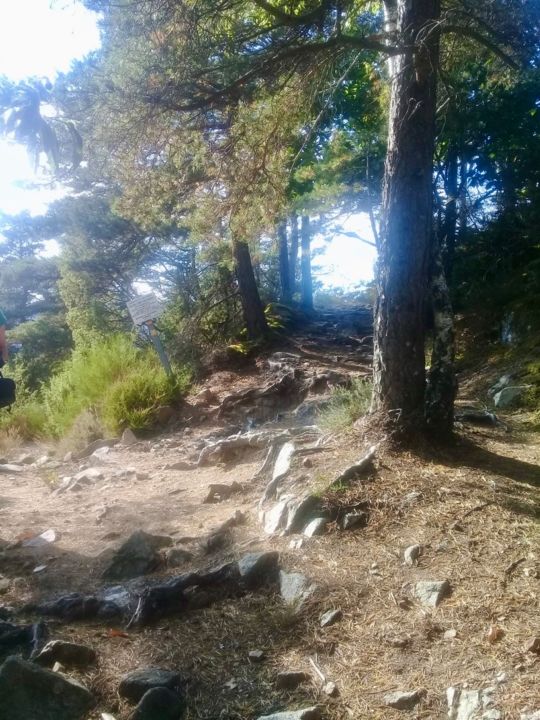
pixel 246 564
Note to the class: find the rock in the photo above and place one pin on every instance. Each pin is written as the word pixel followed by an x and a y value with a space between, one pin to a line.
pixel 295 588
pixel 33 693
pixel 300 511
pixel 311 713
pixel 218 492
pixel 4 584
pixel 315 527
pixel 533 646
pixel 45 538
pixel 128 438
pixel 501 383
pixel 93 447
pixel 397 641
pixel 403 700
pixel 530 716
pixel 509 396
pixel 68 457
pixel 66 653
pixel 258 569
pixel 290 680
pixel 206 397
pixel 135 684
pixel 331 689
pixel 477 416
pixel 180 465
pixel 137 556
pixel 307 462
pixel 283 462
pixel 411 498
pixel 450 634
pixel 159 703
pixel 89 475
pixel 354 520
pixel 276 517
pixel 174 557
pixel 7 468
pixel 256 655
pixel 330 617
pixel 432 592
pixel 25 459
pixel 411 554
pixel 26 638
pixel 464 704
pixel 359 468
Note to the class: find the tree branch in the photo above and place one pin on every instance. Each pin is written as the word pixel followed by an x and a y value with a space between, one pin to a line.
pixel 448 28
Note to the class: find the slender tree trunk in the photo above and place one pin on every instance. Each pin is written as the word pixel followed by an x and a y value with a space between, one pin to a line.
pixel 252 307
pixel 284 274
pixel 406 229
pixel 293 257
pixel 463 178
pixel 307 284
pixel 450 213
pixel 442 384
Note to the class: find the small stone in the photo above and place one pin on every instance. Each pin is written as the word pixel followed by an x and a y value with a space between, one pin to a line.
pixel 307 462
pixel 137 556
pixel 530 715
pixel 290 680
pixel 432 592
pixel 533 646
pixel 89 475
pixel 403 700
pixel 256 655
pixel 258 569
pixel 4 584
pixel 68 457
pixel 330 617
pixel 159 703
pixel 411 498
pixel 354 520
pixel 67 653
pixel 411 554
pixel 296 543
pixel 128 438
pixel 295 588
pixel 58 667
pixel 135 684
pixel 331 689
pixel 509 396
pixel 311 713
pixel 397 641
pixel 315 527
pixel 107 716
pixel 450 634
pixel 174 557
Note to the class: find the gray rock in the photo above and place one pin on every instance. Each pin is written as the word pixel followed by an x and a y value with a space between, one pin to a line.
pixel 300 512
pixel 159 703
pixel 315 527
pixel 530 716
pixel 29 692
pixel 295 588
pixel 411 498
pixel 8 468
pixel 466 704
pixel 501 383
pixel 66 653
pixel 276 518
pixel 290 680
pixel 283 462
pixel 128 438
pixel 411 554
pixel 256 655
pixel 432 592
pixel 137 556
pixel 89 475
pixel 403 700
pixel 135 684
pixel 311 713
pixel 331 689
pixel 354 520
pixel 509 396
pixel 259 568
pixel 176 556
pixel 330 617
pixel 93 447
pixel 359 468
pixel 4 584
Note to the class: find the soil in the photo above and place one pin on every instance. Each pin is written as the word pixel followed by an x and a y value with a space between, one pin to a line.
pixel 472 506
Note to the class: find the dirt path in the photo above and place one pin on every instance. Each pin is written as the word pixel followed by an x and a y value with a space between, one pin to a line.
pixel 473 511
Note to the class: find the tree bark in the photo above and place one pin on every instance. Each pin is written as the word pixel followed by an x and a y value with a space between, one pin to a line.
pixel 293 257
pixel 406 230
pixel 284 274
pixel 306 299
pixel 442 385
pixel 250 299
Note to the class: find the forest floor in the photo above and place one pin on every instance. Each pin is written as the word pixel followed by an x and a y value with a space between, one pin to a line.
pixel 473 508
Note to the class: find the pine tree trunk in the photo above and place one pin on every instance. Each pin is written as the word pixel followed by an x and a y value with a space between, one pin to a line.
pixel 307 284
pixel 406 229
pixel 442 384
pixel 293 257
pixel 284 274
pixel 252 307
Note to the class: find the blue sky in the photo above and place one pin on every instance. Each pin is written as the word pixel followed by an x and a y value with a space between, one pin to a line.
pixel 41 38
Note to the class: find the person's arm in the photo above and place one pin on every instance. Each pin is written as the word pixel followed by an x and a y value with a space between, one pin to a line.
pixel 3 344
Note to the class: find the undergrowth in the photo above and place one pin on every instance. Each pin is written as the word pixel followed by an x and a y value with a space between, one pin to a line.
pixel 114 383
pixel 346 406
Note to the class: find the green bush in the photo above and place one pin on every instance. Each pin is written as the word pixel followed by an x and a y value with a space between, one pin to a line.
pixel 114 379
pixel 347 405
pixel 27 419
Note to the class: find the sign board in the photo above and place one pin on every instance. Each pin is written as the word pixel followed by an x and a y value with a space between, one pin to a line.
pixel 144 308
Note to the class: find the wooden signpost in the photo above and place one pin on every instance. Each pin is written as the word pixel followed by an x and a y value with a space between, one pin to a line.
pixel 144 309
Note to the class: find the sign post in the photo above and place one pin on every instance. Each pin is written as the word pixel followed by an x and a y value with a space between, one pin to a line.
pixel 144 309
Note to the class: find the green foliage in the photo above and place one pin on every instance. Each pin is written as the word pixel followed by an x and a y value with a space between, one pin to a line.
pixel 106 378
pixel 27 419
pixel 346 406
pixel 45 343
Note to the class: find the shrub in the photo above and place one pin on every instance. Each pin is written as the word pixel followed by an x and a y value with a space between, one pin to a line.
pixel 347 405
pixel 26 420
